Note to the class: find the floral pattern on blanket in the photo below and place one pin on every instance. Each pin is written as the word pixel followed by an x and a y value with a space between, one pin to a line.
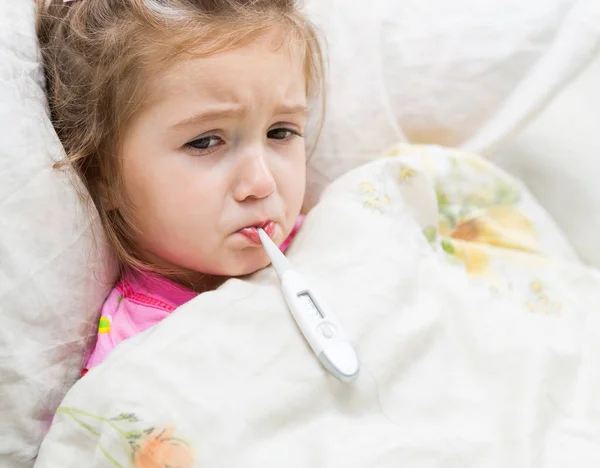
pixel 488 222
pixel 145 447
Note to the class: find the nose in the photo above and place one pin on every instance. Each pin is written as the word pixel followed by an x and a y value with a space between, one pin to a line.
pixel 254 177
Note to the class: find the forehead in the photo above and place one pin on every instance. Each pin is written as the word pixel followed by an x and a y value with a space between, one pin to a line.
pixel 268 69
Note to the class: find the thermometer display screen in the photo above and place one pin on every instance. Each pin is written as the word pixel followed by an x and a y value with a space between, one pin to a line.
pixel 310 304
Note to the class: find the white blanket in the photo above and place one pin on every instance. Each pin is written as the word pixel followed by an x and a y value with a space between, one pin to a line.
pixel 456 370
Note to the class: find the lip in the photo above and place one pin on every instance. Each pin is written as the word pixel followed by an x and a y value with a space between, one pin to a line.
pixel 251 233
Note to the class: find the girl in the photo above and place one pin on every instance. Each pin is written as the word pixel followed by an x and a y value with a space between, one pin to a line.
pixel 185 120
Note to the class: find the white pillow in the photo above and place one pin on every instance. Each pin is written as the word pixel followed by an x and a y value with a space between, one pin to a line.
pixel 462 73
pixel 51 281
pixel 558 158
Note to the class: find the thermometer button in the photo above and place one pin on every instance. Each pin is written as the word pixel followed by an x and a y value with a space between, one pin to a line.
pixel 327 330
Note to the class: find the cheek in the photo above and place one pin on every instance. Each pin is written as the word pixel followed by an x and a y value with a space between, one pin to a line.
pixel 293 185
pixel 299 180
pixel 168 196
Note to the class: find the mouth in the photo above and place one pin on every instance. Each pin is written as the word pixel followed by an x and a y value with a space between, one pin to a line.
pixel 251 233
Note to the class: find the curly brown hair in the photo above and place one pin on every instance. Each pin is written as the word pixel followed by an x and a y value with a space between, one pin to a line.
pixel 97 56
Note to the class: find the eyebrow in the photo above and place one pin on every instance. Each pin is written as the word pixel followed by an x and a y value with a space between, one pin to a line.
pixel 235 111
pixel 292 109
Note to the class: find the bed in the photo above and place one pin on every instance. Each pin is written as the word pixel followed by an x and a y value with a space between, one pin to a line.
pixel 429 74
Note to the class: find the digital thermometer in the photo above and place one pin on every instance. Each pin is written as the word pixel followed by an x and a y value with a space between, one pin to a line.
pixel 320 327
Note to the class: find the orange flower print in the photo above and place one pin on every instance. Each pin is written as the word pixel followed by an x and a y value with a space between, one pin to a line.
pixel 154 447
pixel 160 449
pixel 500 226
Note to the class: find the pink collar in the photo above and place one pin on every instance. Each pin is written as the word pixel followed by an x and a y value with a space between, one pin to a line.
pixel 158 287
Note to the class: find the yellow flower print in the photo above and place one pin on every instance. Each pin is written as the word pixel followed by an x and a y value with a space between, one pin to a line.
pixel 540 301
pixel 366 187
pixel 104 325
pixel 536 286
pixel 373 197
pixel 445 225
pixel 377 202
pixel 407 174
pixel 476 260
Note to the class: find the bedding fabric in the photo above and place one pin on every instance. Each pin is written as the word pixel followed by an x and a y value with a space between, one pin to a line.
pixel 557 157
pixel 398 70
pixel 55 269
pixel 466 73
pixel 492 365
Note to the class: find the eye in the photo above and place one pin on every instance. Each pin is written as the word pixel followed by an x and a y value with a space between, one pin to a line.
pixel 282 133
pixel 205 143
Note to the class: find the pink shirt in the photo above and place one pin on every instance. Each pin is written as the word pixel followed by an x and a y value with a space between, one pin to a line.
pixel 139 301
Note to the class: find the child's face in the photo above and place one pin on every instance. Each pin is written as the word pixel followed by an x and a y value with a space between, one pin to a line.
pixel 216 151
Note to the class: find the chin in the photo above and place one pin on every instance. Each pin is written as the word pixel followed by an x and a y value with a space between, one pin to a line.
pixel 249 264
pixel 253 268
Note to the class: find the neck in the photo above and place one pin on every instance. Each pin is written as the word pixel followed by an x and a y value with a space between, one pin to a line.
pixel 198 282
